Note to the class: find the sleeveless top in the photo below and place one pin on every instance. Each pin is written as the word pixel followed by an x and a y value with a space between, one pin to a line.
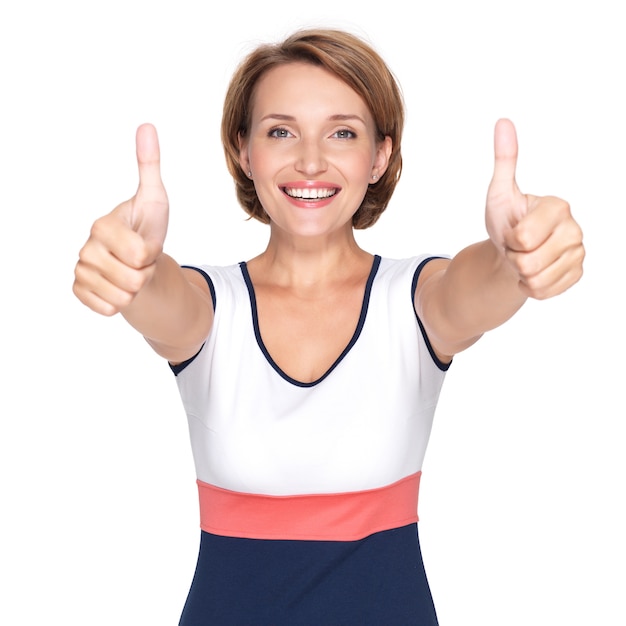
pixel 336 459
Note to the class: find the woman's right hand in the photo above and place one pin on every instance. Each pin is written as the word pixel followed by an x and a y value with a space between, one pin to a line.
pixel 119 258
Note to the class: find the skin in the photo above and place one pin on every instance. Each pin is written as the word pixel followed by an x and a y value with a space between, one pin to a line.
pixel 310 130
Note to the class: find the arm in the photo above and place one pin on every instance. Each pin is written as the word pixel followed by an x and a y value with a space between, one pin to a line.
pixel 534 250
pixel 122 267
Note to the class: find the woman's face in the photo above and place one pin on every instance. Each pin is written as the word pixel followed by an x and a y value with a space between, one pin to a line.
pixel 311 149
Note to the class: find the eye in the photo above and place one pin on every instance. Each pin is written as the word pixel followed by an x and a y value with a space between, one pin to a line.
pixel 344 133
pixel 279 133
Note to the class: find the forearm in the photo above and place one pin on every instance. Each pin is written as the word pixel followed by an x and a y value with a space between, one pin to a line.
pixel 171 312
pixel 477 291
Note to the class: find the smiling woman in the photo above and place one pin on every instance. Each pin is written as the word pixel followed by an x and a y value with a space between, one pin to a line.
pixel 353 63
pixel 309 131
pixel 310 374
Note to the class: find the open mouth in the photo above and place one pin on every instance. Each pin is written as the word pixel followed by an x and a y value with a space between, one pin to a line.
pixel 310 193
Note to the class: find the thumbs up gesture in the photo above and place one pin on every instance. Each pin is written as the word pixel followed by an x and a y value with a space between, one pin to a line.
pixel 538 235
pixel 120 255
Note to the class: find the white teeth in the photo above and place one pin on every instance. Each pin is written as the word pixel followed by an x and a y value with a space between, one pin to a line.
pixel 310 194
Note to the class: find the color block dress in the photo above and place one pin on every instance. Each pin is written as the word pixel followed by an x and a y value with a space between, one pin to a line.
pixel 308 491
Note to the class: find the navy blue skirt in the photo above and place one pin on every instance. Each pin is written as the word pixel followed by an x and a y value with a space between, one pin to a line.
pixel 375 581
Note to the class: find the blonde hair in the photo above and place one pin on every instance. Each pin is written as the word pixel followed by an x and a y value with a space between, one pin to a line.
pixel 354 62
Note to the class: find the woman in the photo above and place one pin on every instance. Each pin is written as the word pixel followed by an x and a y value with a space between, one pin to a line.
pixel 310 374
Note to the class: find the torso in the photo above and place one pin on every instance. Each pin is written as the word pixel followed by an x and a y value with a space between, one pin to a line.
pixel 317 473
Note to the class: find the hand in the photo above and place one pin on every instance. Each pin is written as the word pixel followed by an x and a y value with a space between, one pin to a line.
pixel 119 257
pixel 537 235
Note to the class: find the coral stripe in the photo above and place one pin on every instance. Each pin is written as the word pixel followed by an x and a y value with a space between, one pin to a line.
pixel 328 517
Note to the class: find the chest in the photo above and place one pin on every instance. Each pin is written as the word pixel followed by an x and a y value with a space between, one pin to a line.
pixel 305 334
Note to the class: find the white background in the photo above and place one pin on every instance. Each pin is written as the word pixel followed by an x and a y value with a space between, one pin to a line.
pixel 522 503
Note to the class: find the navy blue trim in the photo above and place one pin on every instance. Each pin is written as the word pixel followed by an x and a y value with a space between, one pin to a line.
pixel 179 367
pixel 208 280
pixel 355 336
pixel 438 362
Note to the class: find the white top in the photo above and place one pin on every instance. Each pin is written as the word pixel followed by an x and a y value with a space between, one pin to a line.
pixel 364 424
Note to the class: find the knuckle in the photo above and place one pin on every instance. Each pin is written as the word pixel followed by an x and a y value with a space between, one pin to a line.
pixel 78 268
pixel 538 294
pixel 526 266
pixel 135 280
pixel 99 227
pixel 577 233
pixel 84 254
pixel 109 310
pixel 523 237
pixel 561 205
pixel 77 291
pixel 140 256
pixel 124 300
pixel 535 286
pixel 557 206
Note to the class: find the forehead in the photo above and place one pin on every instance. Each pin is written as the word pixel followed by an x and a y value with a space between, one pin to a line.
pixel 300 87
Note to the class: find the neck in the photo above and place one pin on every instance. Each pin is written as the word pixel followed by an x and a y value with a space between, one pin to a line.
pixel 309 261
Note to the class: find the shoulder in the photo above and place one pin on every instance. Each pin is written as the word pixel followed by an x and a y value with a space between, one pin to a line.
pixel 400 279
pixel 410 269
pixel 215 273
pixel 219 279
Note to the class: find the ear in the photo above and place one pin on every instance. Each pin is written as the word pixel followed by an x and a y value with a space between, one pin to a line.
pixel 244 159
pixel 383 154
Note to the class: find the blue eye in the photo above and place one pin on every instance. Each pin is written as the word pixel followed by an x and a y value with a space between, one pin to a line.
pixel 344 134
pixel 279 133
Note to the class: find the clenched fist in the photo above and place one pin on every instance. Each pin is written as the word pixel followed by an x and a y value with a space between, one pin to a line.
pixel 119 257
pixel 538 235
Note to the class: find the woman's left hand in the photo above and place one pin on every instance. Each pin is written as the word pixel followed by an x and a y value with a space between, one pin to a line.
pixel 538 235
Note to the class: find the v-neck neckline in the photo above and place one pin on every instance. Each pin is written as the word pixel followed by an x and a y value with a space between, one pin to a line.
pixel 359 327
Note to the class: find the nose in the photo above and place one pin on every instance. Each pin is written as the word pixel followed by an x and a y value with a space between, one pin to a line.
pixel 310 159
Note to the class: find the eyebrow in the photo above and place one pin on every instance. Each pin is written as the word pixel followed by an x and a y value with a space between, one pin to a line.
pixel 338 117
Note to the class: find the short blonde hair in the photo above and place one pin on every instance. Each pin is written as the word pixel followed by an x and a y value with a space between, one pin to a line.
pixel 354 62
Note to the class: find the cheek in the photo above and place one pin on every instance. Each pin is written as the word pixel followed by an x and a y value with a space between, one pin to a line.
pixel 362 165
pixel 263 159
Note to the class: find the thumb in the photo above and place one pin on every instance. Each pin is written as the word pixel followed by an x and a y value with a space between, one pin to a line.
pixel 505 151
pixel 506 205
pixel 149 163
pixel 150 206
